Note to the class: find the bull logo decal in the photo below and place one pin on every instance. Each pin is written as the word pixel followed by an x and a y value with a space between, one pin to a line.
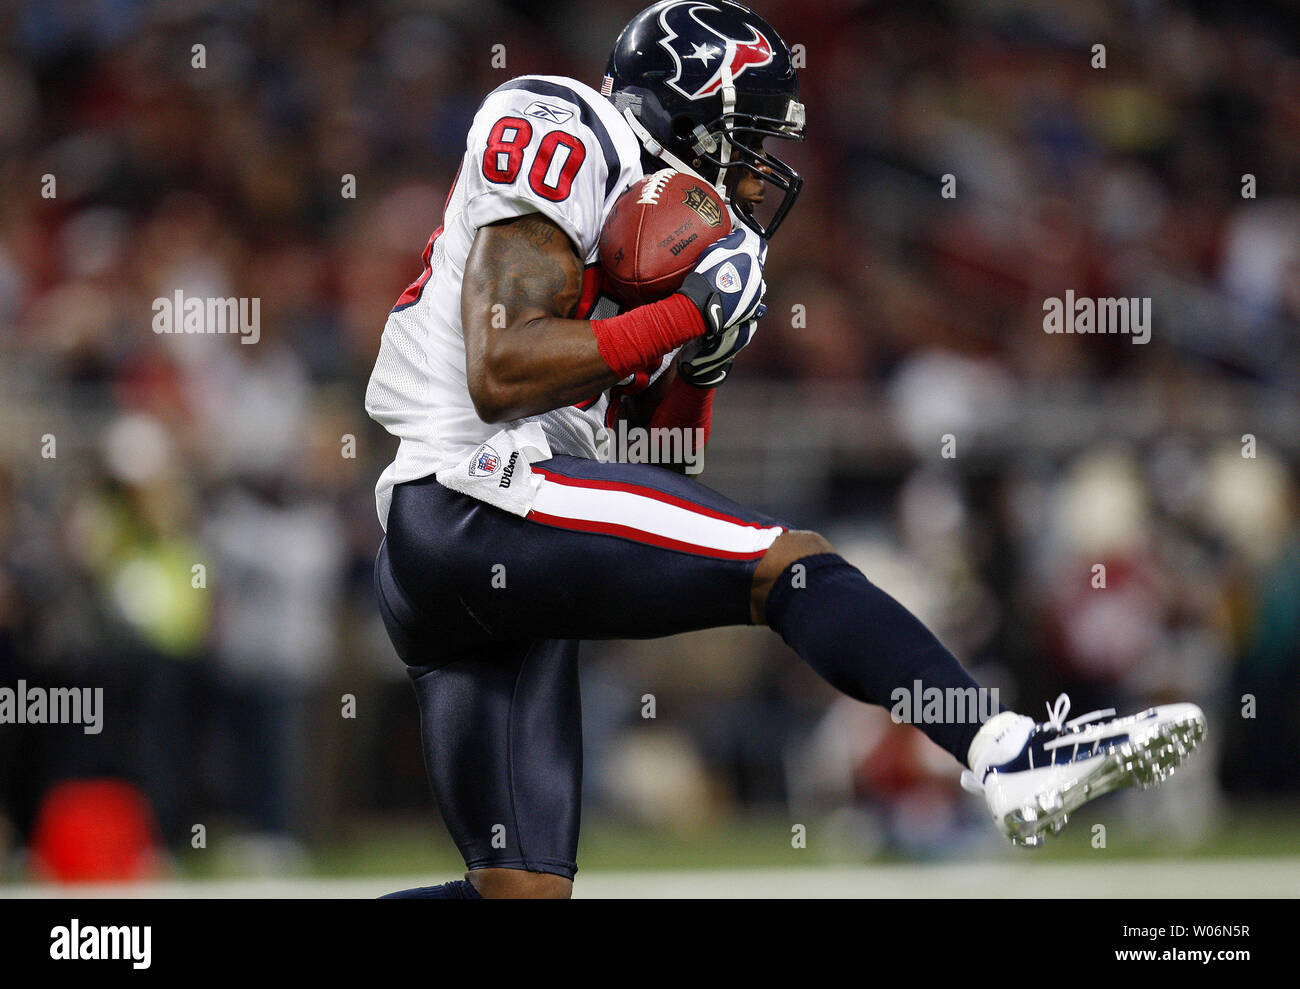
pixel 699 64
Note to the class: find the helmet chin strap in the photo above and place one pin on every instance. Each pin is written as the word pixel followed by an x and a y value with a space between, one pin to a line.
pixel 655 149
pixel 728 107
pixel 718 144
pixel 704 141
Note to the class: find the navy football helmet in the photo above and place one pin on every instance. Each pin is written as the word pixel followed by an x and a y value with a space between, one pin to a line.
pixel 703 84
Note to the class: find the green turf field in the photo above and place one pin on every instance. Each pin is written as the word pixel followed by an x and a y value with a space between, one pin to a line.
pixel 756 843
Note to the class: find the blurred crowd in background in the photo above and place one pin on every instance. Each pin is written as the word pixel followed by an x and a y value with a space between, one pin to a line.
pixel 897 316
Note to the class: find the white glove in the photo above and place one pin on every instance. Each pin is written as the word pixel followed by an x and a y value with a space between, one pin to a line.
pixel 727 284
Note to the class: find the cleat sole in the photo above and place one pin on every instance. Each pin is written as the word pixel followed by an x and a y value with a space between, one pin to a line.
pixel 1144 762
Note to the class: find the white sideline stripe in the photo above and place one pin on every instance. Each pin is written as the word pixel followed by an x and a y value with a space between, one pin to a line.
pixel 650 515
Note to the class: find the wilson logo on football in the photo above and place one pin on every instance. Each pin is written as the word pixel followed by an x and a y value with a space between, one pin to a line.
pixel 486 462
pixel 698 200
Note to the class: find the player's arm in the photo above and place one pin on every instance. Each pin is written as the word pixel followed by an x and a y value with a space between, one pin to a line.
pixel 639 409
pixel 523 278
pixel 682 397
pixel 524 356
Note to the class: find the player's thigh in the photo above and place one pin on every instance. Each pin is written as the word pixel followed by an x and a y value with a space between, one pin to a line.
pixel 608 551
pixel 501 730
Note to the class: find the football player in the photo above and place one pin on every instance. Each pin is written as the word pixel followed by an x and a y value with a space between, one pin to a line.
pixel 511 536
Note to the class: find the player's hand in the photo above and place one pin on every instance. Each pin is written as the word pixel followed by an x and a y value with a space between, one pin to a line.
pixel 706 361
pixel 727 284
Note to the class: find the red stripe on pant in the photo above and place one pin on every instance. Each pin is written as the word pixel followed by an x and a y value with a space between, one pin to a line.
pixel 640 536
pixel 644 492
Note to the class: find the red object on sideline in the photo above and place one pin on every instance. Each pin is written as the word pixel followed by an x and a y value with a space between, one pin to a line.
pixel 95 831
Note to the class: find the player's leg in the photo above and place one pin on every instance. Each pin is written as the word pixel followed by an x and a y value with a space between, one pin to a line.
pixel 859 638
pixel 609 551
pixel 464 588
pixel 503 749
pixel 614 550
pixel 872 648
pixel 688 550
pixel 501 727
pixel 624 550
pixel 868 646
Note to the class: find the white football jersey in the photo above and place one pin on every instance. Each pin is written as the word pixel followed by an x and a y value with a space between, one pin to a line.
pixel 538 144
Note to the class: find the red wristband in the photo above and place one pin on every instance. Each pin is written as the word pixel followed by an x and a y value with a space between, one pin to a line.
pixel 685 405
pixel 637 340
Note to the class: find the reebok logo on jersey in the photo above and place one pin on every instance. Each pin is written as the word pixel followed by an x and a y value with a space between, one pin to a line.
pixel 509 472
pixel 548 111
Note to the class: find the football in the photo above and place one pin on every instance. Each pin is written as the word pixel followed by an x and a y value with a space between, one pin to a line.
pixel 656 233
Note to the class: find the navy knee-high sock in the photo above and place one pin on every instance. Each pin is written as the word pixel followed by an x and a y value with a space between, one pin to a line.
pixel 866 644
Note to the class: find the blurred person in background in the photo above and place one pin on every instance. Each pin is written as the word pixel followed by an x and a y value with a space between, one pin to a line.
pixel 277 560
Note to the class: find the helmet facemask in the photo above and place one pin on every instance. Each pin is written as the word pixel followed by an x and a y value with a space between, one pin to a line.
pixel 732 146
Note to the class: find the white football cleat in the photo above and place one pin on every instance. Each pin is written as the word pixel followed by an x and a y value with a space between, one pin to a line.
pixel 1035 775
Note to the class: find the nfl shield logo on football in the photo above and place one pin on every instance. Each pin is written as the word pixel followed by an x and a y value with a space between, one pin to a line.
pixel 698 200
pixel 485 462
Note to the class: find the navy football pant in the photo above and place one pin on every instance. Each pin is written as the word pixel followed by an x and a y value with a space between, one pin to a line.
pixel 486 609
